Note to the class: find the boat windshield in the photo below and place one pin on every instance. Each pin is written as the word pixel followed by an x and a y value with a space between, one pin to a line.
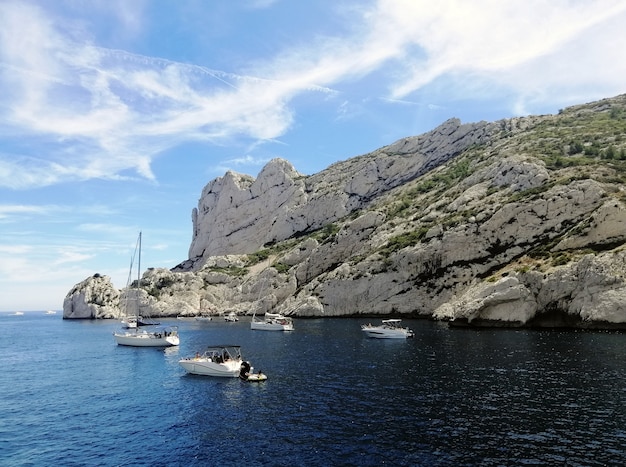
pixel 223 353
pixel 392 322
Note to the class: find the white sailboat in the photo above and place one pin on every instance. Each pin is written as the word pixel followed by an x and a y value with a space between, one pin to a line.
pixel 131 335
pixel 272 322
pixel 204 315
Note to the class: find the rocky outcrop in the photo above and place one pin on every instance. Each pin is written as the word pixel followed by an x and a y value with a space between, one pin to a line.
pixel 95 297
pixel 586 294
pixel 281 202
pixel 512 223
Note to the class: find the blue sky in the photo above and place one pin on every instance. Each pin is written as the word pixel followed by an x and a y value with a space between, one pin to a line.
pixel 114 114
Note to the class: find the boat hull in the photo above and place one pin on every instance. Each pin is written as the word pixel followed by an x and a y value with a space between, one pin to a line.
pixel 386 334
pixel 147 339
pixel 207 367
pixel 263 326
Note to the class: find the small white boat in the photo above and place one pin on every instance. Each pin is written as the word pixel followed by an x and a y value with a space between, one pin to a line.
pixel 219 360
pixel 51 312
pixel 389 329
pixel 255 377
pixel 18 313
pixel 132 322
pixel 166 337
pixel 129 322
pixel 272 322
pixel 232 317
pixel 203 318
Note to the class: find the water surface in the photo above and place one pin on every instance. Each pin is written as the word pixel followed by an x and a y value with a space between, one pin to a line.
pixel 448 397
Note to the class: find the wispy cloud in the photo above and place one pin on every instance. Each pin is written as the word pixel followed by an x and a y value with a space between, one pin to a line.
pixel 489 40
pixel 15 212
pixel 93 112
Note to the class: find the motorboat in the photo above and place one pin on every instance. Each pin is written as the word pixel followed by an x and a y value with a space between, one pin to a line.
pixel 51 312
pixel 388 329
pixel 165 337
pixel 272 322
pixel 203 318
pixel 232 317
pixel 129 322
pixel 247 374
pixel 219 360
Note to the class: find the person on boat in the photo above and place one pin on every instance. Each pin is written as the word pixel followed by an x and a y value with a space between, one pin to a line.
pixel 197 355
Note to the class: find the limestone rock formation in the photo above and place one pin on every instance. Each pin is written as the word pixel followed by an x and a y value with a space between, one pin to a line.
pixel 586 294
pixel 281 202
pixel 518 222
pixel 95 297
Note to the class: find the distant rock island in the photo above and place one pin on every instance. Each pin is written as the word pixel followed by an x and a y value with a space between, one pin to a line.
pixel 515 223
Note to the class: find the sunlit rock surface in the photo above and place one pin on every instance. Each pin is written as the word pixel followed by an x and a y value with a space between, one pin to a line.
pixel 509 223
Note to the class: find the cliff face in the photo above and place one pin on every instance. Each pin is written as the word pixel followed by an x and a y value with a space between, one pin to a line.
pixel 95 297
pixel 281 203
pixel 519 222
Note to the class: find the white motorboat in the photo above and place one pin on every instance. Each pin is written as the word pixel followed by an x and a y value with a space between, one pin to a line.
pixel 166 337
pixel 272 322
pixel 51 312
pixel 219 360
pixel 129 322
pixel 232 317
pixel 388 329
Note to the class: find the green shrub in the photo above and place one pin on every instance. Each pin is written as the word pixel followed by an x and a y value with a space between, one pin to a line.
pixel 404 240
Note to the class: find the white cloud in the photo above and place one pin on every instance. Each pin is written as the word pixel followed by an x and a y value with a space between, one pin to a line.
pixel 491 40
pixel 14 250
pixel 6 209
pixel 97 112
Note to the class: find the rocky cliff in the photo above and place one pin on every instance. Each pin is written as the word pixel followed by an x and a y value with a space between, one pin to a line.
pixel 519 222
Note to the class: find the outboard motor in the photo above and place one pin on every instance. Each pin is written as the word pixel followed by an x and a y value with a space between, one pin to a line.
pixel 245 369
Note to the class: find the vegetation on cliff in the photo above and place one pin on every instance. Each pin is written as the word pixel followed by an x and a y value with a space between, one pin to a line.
pixel 530 199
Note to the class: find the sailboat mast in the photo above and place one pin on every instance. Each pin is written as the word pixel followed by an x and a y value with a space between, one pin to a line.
pixel 139 264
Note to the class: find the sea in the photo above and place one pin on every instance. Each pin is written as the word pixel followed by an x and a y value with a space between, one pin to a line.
pixel 334 397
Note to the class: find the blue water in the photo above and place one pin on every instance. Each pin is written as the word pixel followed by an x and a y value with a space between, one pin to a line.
pixel 448 397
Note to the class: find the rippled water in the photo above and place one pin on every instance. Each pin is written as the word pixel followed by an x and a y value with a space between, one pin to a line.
pixel 70 396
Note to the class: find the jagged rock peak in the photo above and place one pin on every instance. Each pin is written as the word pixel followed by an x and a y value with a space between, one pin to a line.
pixel 95 297
pixel 238 214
